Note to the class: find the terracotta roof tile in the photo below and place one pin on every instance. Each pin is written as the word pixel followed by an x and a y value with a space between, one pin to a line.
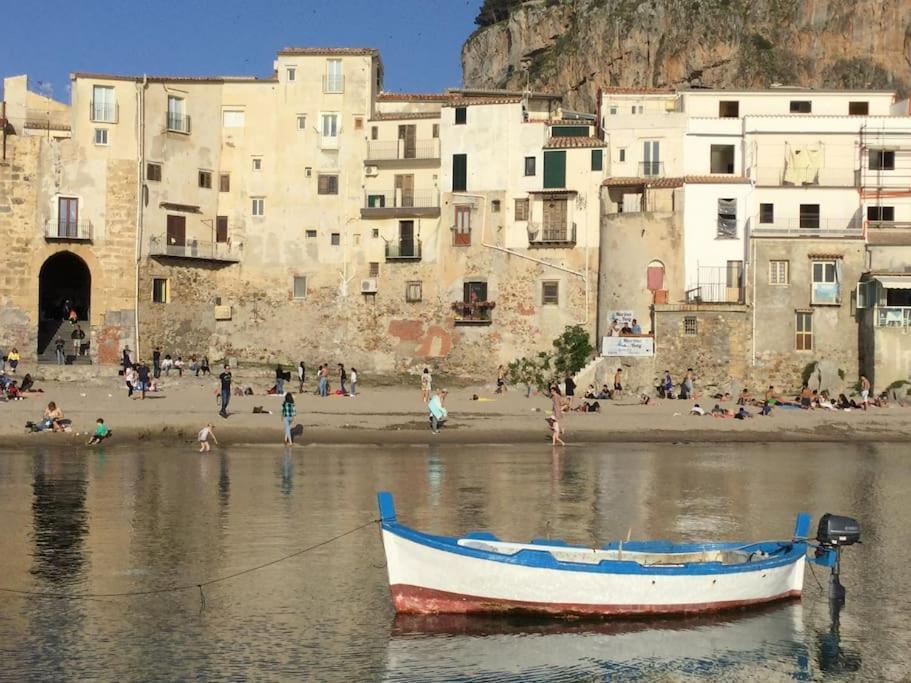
pixel 404 115
pixel 341 51
pixel 661 183
pixel 571 142
pixel 174 79
pixel 632 90
pixel 468 101
pixel 716 179
pixel 413 97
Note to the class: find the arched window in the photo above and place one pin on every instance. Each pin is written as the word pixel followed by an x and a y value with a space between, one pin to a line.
pixel 655 276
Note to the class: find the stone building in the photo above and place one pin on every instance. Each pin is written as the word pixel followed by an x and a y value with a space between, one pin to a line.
pixel 304 215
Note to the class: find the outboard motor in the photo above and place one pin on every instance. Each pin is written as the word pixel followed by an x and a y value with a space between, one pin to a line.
pixel 835 532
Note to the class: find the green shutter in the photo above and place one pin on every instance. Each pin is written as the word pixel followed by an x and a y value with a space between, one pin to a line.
pixel 570 131
pixel 554 170
pixel 597 159
pixel 459 172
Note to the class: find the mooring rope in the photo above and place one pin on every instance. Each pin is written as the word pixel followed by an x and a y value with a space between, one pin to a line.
pixel 188 586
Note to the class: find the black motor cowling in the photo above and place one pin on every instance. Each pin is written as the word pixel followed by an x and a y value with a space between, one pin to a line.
pixel 835 530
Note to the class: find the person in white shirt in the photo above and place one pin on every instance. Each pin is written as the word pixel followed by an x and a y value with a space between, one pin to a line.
pixel 353 378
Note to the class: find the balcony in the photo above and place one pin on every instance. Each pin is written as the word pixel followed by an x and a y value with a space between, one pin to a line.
pixel 401 204
pixel 473 313
pixel 387 152
pixel 651 169
pixel 808 226
pixel 58 230
pixel 403 250
pixel 892 316
pixel 221 252
pixel 333 83
pixel 42 119
pixel 717 285
pixel 104 112
pixel 782 176
pixel 178 123
pixel 541 235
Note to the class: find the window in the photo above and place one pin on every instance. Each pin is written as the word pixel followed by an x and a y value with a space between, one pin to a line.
pixel 374 132
pixel 101 136
pixel 308 172
pixel 221 229
pixel 259 206
pixel 651 158
pixel 300 286
pixel 621 154
pixel 461 116
pixel 801 107
pixel 205 179
pixel 375 233
pixel 554 170
pixel 327 184
pixel 858 108
pixel 597 159
pixel 224 182
pixel 329 129
pixel 160 290
pixel 358 123
pixel 727 218
pixel 311 234
pixel 803 324
pixel 550 293
pixel 613 110
pixel 637 109
pixel 67 217
pixel 461 232
pixel 722 158
pixel 689 325
pixel 880 213
pixel 459 172
pixel 522 209
pixel 302 122
pixel 234 119
pixel 153 172
pixel 882 160
pixel 334 80
pixel 728 109
pixel 104 109
pixel 291 73
pixel 374 269
pixel 178 121
pixel 414 291
pixel 356 239
pixel 529 166
pixel 809 216
pixel 335 239
pixel 257 163
pixel 176 231
pixel 495 206
pixel 778 272
pixel 436 131
pixel 826 282
pixel 654 276
pixel 766 213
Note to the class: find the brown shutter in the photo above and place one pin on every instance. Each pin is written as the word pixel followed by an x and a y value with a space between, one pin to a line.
pixel 221 229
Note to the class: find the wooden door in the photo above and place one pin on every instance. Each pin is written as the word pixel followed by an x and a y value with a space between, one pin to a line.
pixel 221 229
pixel 177 233
pixel 405 183
pixel 461 234
pixel 406 239
pixel 408 136
pixel 554 219
pixel 67 217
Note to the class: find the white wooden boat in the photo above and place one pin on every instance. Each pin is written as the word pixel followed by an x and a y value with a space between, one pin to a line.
pixel 478 573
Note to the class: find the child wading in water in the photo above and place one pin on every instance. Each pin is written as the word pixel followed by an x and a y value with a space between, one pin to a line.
pixel 101 432
pixel 204 435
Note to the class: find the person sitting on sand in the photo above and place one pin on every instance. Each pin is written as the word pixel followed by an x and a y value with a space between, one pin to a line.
pixel 203 437
pixel 843 403
pixel 101 432
pixel 27 385
pixel 697 410
pixel 806 398
pixel 745 397
pixel 605 393
pixel 718 411
pixel 742 414
pixel 52 419
pixel 590 392
pixel 644 399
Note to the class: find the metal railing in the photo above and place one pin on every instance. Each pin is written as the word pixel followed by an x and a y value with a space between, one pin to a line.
pixel 717 284
pixel 48 120
pixel 798 177
pixel 540 234
pixel 333 84
pixel 815 227
pixel 889 225
pixel 211 251
pixel 399 199
pixel 178 123
pixel 892 316
pixel 651 169
pixel 57 229
pixel 388 150
pixel 404 250
pixel 104 112
pixel 477 312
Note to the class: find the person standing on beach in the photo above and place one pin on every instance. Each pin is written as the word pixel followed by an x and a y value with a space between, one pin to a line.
pixel 204 367
pixel 288 413
pixel 501 379
pixel 353 382
pixel 142 374
pixel 77 336
pixel 279 379
pixel 203 437
pixel 225 379
pixel 557 405
pixel 156 362
pixel 129 376
pixel 570 392
pixel 301 377
pixel 618 383
pixel 438 412
pixel 426 385
pixel 126 361
pixel 342 378
pixel 864 391
pixel 59 349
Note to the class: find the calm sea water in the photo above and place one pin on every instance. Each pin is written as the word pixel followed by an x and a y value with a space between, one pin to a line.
pixel 121 519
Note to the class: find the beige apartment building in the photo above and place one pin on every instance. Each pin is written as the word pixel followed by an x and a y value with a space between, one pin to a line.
pixel 304 216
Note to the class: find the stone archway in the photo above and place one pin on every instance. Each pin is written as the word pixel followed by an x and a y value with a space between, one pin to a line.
pixel 64 282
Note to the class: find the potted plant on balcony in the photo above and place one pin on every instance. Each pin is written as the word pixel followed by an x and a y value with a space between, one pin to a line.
pixel 473 310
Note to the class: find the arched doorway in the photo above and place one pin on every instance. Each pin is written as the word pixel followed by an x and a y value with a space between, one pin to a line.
pixel 64 281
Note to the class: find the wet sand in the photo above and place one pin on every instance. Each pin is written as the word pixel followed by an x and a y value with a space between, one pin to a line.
pixel 396 415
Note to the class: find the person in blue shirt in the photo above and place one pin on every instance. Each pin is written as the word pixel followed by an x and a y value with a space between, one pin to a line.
pixel 636 328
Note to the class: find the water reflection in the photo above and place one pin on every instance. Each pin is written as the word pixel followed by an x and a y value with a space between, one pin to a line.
pixel 832 656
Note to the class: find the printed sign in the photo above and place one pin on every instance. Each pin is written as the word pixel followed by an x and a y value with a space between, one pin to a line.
pixel 622 317
pixel 627 346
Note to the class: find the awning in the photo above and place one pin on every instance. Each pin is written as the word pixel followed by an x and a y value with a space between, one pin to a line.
pixel 894 281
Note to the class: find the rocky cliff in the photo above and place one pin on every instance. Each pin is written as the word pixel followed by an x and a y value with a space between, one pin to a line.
pixel 576 46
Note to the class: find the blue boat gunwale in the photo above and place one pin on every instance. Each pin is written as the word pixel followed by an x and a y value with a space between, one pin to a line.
pixel 782 553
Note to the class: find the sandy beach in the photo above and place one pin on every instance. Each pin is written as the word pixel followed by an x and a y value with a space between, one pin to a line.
pixel 396 414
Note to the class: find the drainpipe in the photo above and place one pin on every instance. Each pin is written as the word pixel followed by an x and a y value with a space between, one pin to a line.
pixel 140 197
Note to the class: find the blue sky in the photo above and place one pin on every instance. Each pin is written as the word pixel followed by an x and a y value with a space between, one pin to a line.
pixel 420 40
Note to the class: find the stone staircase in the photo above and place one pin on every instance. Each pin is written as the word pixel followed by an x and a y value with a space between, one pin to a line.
pixel 48 354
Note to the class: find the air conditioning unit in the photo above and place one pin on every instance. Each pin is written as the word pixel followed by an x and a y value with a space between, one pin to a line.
pixel 368 285
pixel 371 170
